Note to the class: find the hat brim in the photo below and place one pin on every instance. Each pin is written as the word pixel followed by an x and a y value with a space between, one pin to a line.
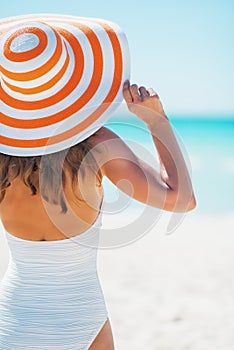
pixel 38 117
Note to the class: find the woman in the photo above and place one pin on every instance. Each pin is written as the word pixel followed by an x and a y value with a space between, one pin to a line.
pixel 50 296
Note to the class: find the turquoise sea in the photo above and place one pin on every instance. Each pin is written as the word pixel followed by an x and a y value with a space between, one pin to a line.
pixel 207 143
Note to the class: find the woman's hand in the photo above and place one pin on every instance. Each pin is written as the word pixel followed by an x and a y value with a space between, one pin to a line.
pixel 144 103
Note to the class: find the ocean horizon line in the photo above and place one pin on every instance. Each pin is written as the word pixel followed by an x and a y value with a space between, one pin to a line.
pixel 193 117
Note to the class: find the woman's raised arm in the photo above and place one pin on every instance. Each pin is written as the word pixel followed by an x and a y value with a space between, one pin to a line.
pixel 171 189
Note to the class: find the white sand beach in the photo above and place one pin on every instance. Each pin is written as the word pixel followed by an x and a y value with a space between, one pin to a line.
pixel 173 292
pixel 170 292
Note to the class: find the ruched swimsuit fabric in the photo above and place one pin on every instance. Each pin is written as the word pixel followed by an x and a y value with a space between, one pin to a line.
pixel 50 295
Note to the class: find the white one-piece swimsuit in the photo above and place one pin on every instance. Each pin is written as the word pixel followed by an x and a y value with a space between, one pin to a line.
pixel 50 295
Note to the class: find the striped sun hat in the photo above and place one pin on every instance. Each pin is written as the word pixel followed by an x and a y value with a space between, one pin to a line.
pixel 61 79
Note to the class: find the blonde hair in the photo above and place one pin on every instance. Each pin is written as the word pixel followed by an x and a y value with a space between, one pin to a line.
pixel 51 169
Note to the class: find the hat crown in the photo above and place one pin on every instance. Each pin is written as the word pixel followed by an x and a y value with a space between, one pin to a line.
pixel 24 42
pixel 28 46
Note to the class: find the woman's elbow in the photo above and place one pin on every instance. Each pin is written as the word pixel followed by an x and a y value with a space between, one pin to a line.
pixel 192 204
pixel 182 205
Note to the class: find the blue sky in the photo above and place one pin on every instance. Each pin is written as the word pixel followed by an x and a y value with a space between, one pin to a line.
pixel 184 49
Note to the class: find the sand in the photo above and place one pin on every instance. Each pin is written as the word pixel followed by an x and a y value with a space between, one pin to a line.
pixel 172 292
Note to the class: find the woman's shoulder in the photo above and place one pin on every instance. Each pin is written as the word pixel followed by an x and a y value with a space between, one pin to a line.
pixel 103 134
pixel 105 142
pixel 108 144
pixel 111 151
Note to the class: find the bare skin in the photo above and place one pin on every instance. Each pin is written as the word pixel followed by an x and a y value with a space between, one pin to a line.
pixel 118 163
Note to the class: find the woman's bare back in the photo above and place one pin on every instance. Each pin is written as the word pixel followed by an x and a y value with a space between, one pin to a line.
pixel 30 217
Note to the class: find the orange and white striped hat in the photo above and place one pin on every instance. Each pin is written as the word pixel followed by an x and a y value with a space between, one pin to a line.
pixel 61 79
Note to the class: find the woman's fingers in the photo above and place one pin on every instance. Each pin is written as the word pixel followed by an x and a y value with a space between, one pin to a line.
pixel 132 93
pixel 152 92
pixel 143 92
pixel 135 93
pixel 126 92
